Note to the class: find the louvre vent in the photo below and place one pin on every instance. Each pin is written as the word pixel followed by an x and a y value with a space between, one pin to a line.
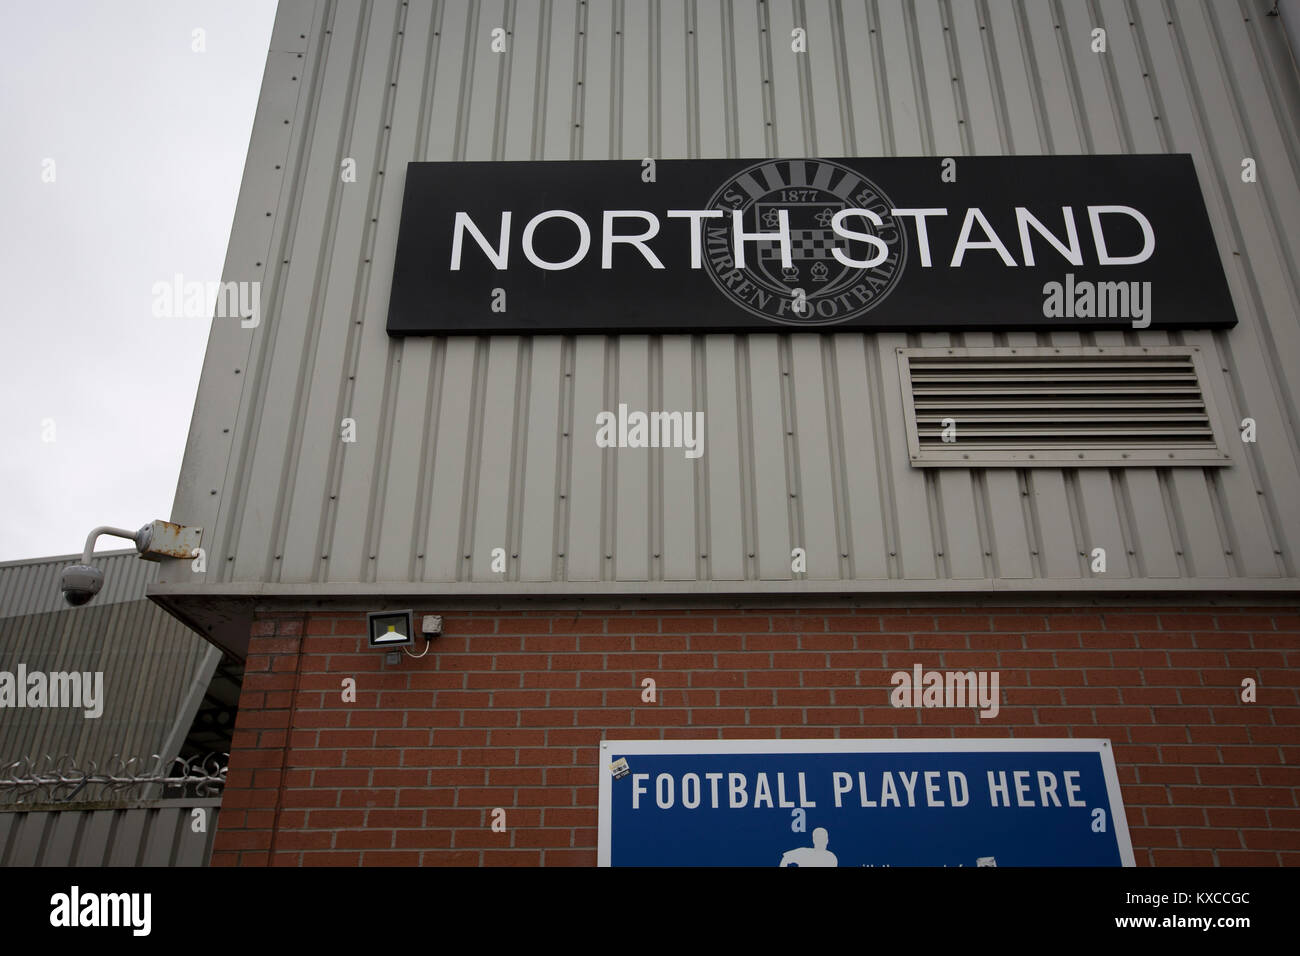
pixel 1058 407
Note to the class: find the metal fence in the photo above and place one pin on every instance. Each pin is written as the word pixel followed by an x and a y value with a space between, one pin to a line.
pixel 121 815
pixel 146 833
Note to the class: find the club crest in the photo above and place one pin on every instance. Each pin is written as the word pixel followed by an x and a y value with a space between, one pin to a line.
pixel 811 192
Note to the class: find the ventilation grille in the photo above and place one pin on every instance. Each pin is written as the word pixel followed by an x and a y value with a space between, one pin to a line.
pixel 1058 407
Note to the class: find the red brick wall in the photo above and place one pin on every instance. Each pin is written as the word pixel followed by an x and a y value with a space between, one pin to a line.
pixel 508 708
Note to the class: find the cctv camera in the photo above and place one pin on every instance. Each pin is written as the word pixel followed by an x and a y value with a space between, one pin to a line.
pixel 80 583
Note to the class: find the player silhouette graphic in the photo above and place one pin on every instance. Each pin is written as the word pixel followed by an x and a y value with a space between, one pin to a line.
pixel 815 855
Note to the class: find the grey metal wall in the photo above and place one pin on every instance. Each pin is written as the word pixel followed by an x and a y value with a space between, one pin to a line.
pixel 32 586
pixel 466 444
pixel 155 668
pixel 147 833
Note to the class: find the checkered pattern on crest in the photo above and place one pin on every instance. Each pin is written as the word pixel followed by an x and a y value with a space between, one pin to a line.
pixel 805 245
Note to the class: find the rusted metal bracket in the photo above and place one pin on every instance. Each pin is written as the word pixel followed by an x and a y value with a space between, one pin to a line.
pixel 164 539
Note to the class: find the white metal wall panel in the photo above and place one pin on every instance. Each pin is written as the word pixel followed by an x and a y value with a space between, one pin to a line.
pixel 770 542
pixel 590 468
pixel 496 460
pixel 724 558
pixel 671 110
pixel 748 115
pixel 816 503
pixel 714 78
pixel 539 504
pixel 632 467
pixel 676 503
pixel 469 443
pixel 826 126
pixel 782 77
pixel 857 433
pixel 596 126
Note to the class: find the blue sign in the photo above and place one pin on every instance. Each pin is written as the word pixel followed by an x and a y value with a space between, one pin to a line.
pixel 861 803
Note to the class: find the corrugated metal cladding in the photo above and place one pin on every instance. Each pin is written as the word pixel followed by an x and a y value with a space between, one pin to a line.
pixel 150 833
pixel 467 444
pixel 155 668
pixel 32 586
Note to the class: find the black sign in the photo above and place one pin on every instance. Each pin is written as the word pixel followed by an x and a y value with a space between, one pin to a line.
pixel 1010 242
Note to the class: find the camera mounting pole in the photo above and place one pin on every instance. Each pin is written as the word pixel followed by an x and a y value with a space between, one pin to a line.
pixel 137 537
pixel 155 541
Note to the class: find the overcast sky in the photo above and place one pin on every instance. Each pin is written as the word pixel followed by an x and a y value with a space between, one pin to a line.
pixel 148 140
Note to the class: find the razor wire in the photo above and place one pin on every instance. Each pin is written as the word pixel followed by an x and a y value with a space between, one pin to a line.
pixel 51 779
